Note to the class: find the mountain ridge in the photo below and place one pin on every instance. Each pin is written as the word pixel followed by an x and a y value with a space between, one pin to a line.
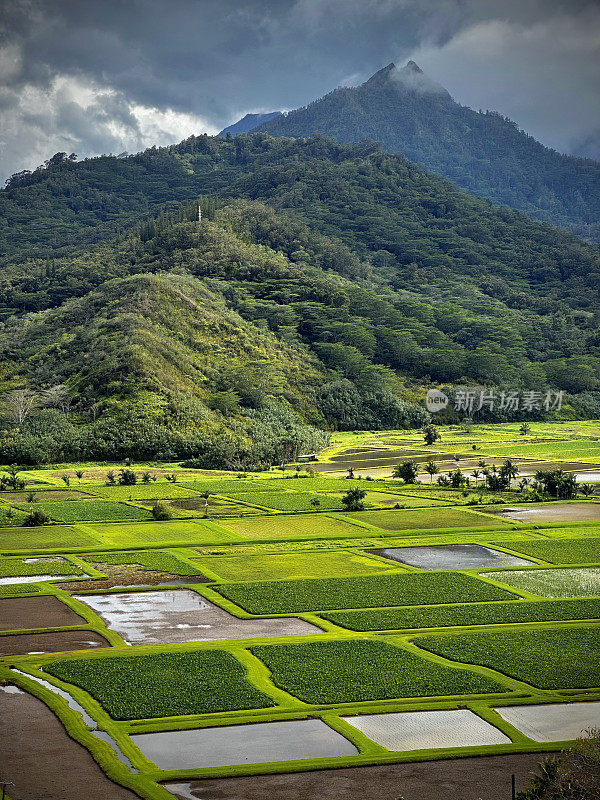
pixel 484 153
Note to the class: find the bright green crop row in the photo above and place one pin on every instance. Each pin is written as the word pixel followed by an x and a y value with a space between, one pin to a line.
pixel 560 551
pixel 354 671
pixel 164 684
pixel 549 659
pixel 87 510
pixel 471 614
pixel 281 597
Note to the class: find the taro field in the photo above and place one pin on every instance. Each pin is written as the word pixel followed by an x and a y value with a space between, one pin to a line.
pixel 196 626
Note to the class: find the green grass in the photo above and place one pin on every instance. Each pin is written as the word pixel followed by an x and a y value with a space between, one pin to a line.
pixel 153 560
pixel 577 450
pixel 430 494
pixel 307 526
pixel 142 491
pixel 471 614
pixel 44 494
pixel 11 517
pixel 18 588
pixel 292 565
pixel 227 485
pixel 217 507
pixel 568 582
pixel 88 511
pixel 399 589
pixel 163 684
pixel 13 567
pixel 149 533
pixel 560 551
pixel 425 518
pixel 355 671
pixel 289 501
pixel 51 536
pixel 549 659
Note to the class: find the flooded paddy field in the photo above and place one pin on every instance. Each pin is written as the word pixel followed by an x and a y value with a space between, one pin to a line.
pixel 14 579
pixel 452 556
pixel 243 744
pixel 52 642
pixel 553 583
pixel 34 743
pixel 21 613
pixel 426 730
pixel 554 512
pixel 485 777
pixel 557 722
pixel 180 615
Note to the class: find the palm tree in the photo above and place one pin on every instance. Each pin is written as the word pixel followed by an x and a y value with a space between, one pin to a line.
pixel 586 489
pixel 481 464
pixel 205 495
pixel 431 469
pixel 510 469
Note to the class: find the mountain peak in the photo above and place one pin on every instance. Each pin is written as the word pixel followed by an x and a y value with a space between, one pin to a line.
pixel 410 78
pixel 382 75
pixel 412 66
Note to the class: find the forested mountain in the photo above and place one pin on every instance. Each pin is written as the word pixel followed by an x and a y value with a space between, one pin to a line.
pixel 484 153
pixel 326 286
pixel 248 123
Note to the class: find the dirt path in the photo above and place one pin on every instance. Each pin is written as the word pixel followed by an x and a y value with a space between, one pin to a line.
pixel 488 778
pixel 42 761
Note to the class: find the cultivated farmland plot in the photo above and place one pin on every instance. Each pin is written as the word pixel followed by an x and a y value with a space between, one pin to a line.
pixel 277 631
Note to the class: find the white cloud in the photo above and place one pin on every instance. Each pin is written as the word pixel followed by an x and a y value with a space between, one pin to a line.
pixel 74 116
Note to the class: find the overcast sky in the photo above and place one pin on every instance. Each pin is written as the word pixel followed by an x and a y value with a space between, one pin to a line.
pixel 120 75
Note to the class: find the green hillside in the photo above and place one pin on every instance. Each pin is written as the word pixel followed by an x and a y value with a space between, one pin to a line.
pixel 484 153
pixel 326 286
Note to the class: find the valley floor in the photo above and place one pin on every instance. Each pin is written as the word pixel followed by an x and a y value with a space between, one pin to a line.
pixel 265 641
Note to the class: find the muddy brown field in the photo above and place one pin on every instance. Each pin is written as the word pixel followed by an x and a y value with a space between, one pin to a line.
pixel 42 761
pixel 488 778
pixel 57 642
pixel 21 613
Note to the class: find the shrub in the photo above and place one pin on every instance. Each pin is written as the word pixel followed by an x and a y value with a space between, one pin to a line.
pixel 37 517
pixel 127 477
pixel 353 499
pixel 408 471
pixel 161 511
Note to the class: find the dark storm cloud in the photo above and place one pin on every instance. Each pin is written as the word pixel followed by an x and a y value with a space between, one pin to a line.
pixel 122 74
